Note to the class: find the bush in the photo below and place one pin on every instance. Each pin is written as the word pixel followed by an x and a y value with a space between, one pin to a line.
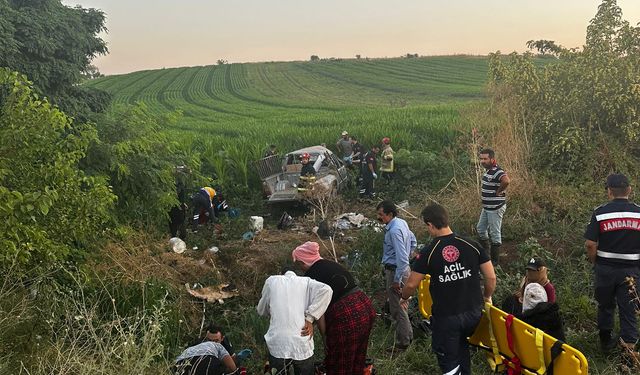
pixel 138 161
pixel 579 114
pixel 47 204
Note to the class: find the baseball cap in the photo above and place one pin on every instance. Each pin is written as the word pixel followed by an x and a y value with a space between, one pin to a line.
pixel 344 132
pixel 617 180
pixel 535 263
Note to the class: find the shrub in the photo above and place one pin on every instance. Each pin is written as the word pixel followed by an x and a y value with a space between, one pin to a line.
pixel 47 204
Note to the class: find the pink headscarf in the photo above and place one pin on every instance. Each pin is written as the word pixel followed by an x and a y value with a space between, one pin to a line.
pixel 308 253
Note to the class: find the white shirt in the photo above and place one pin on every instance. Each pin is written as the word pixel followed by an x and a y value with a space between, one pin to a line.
pixel 206 348
pixel 289 300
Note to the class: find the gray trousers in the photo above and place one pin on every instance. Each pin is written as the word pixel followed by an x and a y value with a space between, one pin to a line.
pixel 404 332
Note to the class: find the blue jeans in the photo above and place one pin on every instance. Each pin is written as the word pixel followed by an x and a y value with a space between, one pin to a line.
pixel 490 225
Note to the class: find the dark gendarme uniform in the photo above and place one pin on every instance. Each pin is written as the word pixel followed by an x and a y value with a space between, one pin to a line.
pixel 615 226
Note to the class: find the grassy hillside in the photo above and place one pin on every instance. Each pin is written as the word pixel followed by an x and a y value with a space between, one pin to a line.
pixel 272 102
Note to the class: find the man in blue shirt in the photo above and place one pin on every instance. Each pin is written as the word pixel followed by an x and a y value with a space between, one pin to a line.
pixel 398 244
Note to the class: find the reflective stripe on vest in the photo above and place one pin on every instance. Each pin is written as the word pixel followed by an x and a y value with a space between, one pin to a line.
pixel 608 255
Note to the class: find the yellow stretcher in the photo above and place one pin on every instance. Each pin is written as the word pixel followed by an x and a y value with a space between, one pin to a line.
pixel 532 347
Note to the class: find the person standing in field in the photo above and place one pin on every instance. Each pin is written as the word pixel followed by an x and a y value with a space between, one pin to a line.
pixel 613 246
pixel 356 153
pixel 494 185
pixel 368 173
pixel 454 264
pixel 344 148
pixel 293 303
pixel 348 321
pixel 386 164
pixel 398 244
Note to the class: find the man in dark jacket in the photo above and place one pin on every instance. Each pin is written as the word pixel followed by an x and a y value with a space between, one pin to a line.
pixel 538 312
pixel 546 316
pixel 368 172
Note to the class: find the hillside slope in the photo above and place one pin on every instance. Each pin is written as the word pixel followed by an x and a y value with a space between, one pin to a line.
pixel 244 99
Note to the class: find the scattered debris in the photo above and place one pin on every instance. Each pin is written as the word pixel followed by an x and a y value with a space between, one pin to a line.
pixel 352 220
pixel 194 248
pixel 248 236
pixel 257 223
pixel 214 249
pixel 212 294
pixel 403 205
pixel 286 221
pixel 177 245
pixel 233 213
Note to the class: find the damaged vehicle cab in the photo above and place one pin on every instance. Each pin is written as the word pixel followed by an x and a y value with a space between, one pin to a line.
pixel 281 174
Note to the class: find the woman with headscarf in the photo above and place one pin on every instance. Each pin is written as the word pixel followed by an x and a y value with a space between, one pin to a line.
pixel 348 321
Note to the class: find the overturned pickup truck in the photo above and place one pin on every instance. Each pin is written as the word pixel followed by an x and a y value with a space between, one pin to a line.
pixel 281 174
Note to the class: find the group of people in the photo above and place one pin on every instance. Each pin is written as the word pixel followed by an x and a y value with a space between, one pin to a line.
pixel 356 156
pixel 324 293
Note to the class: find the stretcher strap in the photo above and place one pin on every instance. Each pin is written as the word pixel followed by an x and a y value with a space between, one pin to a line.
pixel 497 358
pixel 540 347
pixel 517 366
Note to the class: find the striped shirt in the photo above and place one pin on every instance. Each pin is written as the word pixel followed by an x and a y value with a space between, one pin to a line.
pixel 490 185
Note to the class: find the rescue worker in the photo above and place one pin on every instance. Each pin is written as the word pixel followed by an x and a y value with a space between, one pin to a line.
pixel 613 246
pixel 454 264
pixel 386 164
pixel 203 204
pixel 219 202
pixel 368 173
pixel 307 173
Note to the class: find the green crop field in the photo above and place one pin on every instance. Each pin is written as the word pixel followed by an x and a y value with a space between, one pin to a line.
pixel 413 100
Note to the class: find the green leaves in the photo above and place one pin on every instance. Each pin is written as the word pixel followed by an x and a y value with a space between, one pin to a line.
pixel 47 204
pixel 579 113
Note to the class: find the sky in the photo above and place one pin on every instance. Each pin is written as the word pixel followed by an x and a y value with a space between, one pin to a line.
pixel 152 34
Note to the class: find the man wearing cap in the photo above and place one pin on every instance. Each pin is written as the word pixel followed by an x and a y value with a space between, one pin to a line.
pixel 454 264
pixel 345 148
pixel 293 303
pixel 386 164
pixel 398 244
pixel 348 321
pixel 613 246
